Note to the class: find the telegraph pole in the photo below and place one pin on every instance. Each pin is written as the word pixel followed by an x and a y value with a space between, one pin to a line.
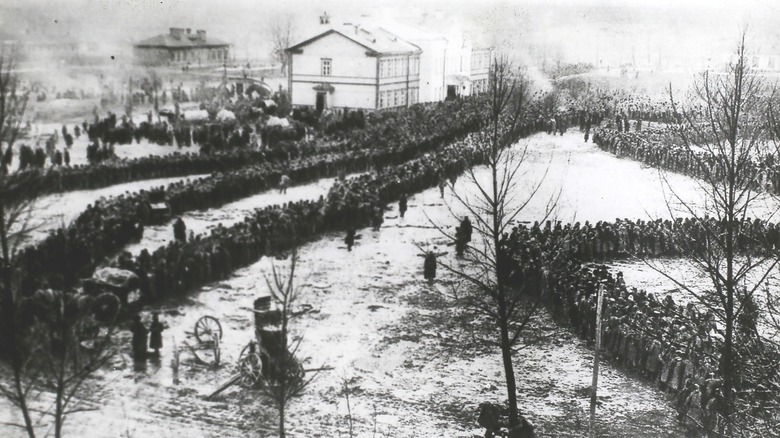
pixel 595 383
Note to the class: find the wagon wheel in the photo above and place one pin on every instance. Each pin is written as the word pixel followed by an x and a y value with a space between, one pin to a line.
pixel 207 329
pixel 105 307
pixel 250 365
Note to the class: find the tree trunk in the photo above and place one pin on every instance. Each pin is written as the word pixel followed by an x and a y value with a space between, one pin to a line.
pixel 58 416
pixel 281 420
pixel 28 423
pixel 509 372
pixel 9 328
pixel 727 366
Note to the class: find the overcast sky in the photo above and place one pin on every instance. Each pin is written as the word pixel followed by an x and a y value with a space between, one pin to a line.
pixel 580 30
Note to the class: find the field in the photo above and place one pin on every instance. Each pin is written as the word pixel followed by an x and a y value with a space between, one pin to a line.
pixel 394 339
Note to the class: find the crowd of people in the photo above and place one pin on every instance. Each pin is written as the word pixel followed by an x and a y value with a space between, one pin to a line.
pixel 658 148
pixel 420 125
pixel 673 346
pixel 351 203
pixel 108 225
pixel 682 237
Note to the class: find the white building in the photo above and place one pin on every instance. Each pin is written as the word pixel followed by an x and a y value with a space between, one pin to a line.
pixel 459 65
pixel 379 64
pixel 353 66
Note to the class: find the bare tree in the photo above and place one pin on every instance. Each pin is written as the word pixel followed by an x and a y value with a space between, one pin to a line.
pixel 284 378
pixel 51 341
pixel 725 140
pixel 14 215
pixel 281 33
pixel 495 289
pixel 72 341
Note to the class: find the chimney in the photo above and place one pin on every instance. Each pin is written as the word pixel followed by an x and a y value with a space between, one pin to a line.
pixel 202 35
pixel 176 32
pixel 324 18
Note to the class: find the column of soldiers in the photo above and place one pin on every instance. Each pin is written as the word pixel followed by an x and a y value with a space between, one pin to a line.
pixel 657 149
pixel 657 238
pixel 402 136
pixel 107 226
pixel 673 346
pixel 351 203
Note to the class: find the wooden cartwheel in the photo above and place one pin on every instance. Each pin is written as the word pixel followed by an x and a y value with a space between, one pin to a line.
pixel 208 332
pixel 250 366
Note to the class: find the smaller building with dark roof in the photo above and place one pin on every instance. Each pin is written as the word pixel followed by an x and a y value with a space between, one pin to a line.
pixel 181 47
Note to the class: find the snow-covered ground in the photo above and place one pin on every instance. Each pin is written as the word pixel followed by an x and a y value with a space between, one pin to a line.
pixel 389 334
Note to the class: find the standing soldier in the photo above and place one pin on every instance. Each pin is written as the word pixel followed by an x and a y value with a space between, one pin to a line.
pixel 138 329
pixel 442 184
pixel 284 182
pixel 429 266
pixel 377 218
pixel 155 334
pixel 402 205
pixel 460 241
pixel 587 130
pixel 350 239
pixel 180 230
pixel 465 225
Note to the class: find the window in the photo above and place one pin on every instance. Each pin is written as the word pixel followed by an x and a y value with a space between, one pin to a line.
pixel 325 66
pixel 382 99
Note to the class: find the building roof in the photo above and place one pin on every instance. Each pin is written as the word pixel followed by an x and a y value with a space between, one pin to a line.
pixel 377 40
pixel 185 40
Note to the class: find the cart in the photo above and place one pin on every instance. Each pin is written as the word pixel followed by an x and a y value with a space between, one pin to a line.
pixel 112 291
pixel 263 359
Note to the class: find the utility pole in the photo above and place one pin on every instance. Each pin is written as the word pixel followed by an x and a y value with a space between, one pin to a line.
pixel 595 383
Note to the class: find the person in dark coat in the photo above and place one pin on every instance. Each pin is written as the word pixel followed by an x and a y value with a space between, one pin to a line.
pixel 402 205
pixel 180 230
pixel 138 329
pixel 155 334
pixel 429 266
pixel 490 419
pixel 465 225
pixel 377 218
pixel 460 241
pixel 350 239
